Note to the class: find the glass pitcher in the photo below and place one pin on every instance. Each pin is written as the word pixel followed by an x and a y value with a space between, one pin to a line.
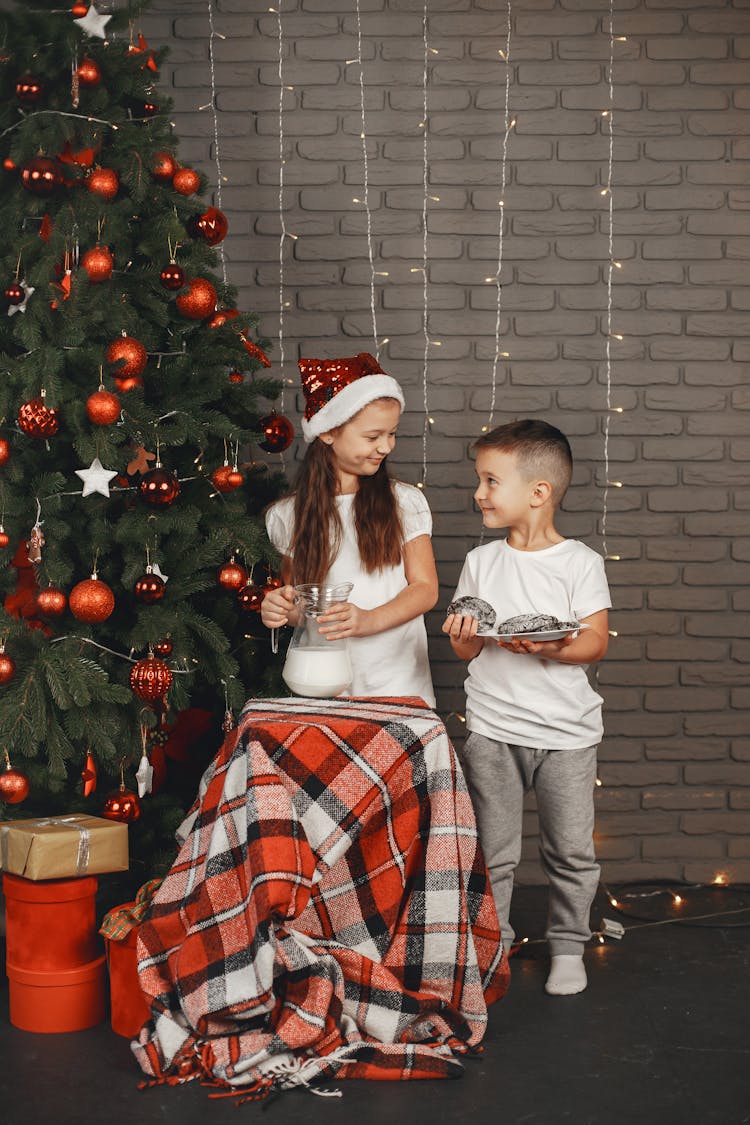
pixel 315 666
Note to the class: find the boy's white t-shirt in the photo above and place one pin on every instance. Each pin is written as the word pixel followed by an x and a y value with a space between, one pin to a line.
pixel 396 661
pixel 520 698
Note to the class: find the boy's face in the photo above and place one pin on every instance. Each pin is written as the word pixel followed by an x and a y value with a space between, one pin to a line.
pixel 503 495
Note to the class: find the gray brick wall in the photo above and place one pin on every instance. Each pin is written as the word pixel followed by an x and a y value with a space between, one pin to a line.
pixel 674 801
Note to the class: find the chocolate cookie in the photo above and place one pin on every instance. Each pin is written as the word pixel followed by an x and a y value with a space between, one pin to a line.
pixel 477 608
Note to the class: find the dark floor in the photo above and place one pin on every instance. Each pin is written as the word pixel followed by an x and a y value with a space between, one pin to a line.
pixel 662 1035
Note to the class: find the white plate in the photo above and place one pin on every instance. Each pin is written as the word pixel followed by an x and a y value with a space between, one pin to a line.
pixel 539 635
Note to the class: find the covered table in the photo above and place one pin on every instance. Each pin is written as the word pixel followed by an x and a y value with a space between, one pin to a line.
pixel 329 911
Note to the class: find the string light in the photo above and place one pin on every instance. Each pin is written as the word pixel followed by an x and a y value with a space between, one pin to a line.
pixel 607 115
pixel 283 304
pixel 217 149
pixel 507 126
pixel 366 175
pixel 425 201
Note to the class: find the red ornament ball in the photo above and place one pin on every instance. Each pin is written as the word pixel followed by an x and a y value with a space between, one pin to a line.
pixel 159 488
pixel 78 11
pixel 163 167
pixel 211 226
pixel 98 263
pixel 163 647
pixel 236 377
pixel 250 598
pixel 150 679
pixel 103 182
pixel 4 450
pixel 150 588
pixel 91 601
pixel 89 73
pixel 42 175
pixel 7 668
pixel 38 420
pixel 199 301
pixel 172 276
pixel 272 583
pixel 9 165
pixel 14 786
pixel 221 316
pixel 186 181
pixel 51 602
pixel 29 89
pixel 4 537
pixel 232 576
pixel 122 805
pixel 15 293
pixel 277 431
pixel 129 356
pixel 129 383
pixel 226 478
pixel 103 407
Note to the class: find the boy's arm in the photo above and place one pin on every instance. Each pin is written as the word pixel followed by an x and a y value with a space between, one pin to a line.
pixel 462 631
pixel 586 647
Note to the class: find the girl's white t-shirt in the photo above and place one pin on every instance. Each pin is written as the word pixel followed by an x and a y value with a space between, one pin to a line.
pixel 396 661
pixel 519 698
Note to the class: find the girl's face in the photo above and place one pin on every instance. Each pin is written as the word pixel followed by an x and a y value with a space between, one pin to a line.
pixel 360 446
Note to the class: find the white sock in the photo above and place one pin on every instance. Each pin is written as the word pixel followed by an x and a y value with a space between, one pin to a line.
pixel 567 975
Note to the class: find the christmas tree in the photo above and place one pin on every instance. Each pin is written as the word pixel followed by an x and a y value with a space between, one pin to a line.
pixel 133 551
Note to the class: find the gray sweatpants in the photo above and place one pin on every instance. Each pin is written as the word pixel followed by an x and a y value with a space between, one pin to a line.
pixel 498 775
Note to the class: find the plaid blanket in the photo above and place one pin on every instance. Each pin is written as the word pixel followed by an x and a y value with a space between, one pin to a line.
pixel 329 910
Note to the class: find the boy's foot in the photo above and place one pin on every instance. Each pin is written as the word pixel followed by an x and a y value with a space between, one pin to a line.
pixel 567 975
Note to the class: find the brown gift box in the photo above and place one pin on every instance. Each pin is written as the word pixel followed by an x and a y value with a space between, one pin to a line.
pixel 63 847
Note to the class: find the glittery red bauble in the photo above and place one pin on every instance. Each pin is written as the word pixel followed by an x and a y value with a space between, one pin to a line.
pixel 163 648
pixel 42 175
pixel 199 301
pixel 129 356
pixel 103 182
pixel 129 383
pixel 236 377
pixel 172 276
pixel 186 181
pixel 4 450
pixel 149 588
pixel 226 478
pixel 78 11
pixel 150 679
pixel 221 316
pixel 122 805
pixel 211 226
pixel 37 419
pixel 277 431
pixel 4 538
pixel 232 576
pixel 7 668
pixel 163 167
pixel 159 487
pixel 103 408
pixel 91 601
pixel 89 73
pixel 9 165
pixel 250 598
pixel 98 263
pixel 149 109
pixel 15 293
pixel 51 602
pixel 29 89
pixel 14 786
pixel 272 583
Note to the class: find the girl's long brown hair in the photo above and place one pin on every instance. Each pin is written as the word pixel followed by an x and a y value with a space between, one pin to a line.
pixel 317 526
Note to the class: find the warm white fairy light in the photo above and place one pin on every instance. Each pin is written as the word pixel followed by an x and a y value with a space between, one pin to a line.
pixel 610 335
pixel 217 149
pixel 425 203
pixel 283 304
pixel 507 126
pixel 366 177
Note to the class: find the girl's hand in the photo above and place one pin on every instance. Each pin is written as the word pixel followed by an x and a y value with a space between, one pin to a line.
pixel 344 620
pixel 460 628
pixel 278 607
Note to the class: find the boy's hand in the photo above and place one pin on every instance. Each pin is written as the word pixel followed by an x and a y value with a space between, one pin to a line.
pixel 549 649
pixel 460 628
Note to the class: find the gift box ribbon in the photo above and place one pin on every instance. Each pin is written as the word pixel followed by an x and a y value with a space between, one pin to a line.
pixel 120 920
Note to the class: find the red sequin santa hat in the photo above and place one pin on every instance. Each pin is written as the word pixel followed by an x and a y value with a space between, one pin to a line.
pixel 337 389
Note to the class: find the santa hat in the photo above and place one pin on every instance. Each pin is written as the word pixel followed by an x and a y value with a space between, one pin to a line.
pixel 337 389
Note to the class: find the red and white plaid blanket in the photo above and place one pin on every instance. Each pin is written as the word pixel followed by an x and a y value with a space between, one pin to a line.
pixel 329 911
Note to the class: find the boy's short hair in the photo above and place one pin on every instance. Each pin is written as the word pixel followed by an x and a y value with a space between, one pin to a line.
pixel 541 451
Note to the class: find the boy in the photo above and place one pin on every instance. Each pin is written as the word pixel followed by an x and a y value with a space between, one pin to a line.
pixel 534 721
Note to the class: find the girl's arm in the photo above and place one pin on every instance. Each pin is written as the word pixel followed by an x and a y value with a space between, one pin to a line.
pixel 420 594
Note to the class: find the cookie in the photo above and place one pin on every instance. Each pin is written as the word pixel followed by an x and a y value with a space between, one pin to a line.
pixel 477 608
pixel 533 623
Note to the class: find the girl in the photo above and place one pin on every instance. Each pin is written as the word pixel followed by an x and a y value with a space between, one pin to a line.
pixel 347 521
